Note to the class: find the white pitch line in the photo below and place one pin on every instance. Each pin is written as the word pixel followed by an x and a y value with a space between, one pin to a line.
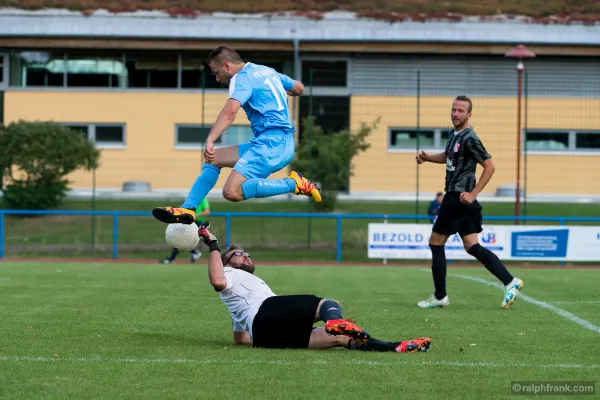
pixel 134 360
pixel 575 302
pixel 4 279
pixel 565 314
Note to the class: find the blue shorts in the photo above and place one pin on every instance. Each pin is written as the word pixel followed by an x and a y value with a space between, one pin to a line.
pixel 266 153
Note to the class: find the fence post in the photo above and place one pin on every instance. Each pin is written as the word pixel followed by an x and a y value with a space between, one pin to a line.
pixel 1 234
pixel 525 149
pixel 418 177
pixel 339 239
pixel 310 135
pixel 115 234
pixel 93 238
pixel 385 221
pixel 561 223
pixel 227 230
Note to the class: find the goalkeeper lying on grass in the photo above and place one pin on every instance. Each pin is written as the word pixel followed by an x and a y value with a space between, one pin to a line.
pixel 263 319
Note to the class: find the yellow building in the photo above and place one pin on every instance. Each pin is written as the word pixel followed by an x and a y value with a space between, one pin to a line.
pixel 149 103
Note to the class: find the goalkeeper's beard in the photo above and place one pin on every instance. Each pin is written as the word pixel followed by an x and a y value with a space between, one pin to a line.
pixel 243 266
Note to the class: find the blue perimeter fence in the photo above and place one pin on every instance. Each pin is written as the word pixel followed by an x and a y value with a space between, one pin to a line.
pixel 228 215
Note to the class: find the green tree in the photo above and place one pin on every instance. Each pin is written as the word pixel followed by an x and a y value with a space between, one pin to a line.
pixel 35 159
pixel 326 158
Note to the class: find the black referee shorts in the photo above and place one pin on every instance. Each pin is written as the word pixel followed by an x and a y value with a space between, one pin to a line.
pixel 456 217
pixel 285 322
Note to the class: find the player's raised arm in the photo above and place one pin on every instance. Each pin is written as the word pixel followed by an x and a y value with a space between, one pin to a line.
pixel 292 87
pixel 297 89
pixel 216 273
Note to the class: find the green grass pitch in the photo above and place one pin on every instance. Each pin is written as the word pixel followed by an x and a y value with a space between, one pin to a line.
pixel 148 331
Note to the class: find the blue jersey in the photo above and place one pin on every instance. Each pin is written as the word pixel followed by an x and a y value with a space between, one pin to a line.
pixel 262 93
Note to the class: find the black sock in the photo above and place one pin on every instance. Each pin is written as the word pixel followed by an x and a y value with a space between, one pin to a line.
pixel 438 269
pixel 173 255
pixel 373 345
pixel 330 310
pixel 491 262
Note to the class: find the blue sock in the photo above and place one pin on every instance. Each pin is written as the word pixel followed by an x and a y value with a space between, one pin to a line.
pixel 203 184
pixel 260 188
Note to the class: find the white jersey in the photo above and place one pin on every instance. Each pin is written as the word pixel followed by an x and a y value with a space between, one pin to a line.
pixel 243 296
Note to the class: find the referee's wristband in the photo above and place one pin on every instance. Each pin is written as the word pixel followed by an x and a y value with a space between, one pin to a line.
pixel 214 246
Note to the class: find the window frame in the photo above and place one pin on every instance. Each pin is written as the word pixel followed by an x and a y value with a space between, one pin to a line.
pixel 196 147
pixel 572 149
pixel 4 61
pixel 329 90
pixel 92 134
pixel 124 56
pixel 439 143
pixel 584 149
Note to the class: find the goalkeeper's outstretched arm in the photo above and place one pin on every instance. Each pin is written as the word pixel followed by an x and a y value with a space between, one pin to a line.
pixel 216 274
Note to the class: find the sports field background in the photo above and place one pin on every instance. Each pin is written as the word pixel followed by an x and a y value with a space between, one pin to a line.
pixel 113 331
pixel 277 239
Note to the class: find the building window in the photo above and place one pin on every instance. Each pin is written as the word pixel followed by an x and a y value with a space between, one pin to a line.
pixel 114 134
pixel 190 136
pixel 94 69
pixel 195 73
pixel 325 73
pixel 332 113
pixel 587 140
pixel 158 70
pixel 193 135
pixel 408 138
pixel 104 135
pixel 97 68
pixel 3 70
pixel 37 69
pixel 547 141
pixel 574 141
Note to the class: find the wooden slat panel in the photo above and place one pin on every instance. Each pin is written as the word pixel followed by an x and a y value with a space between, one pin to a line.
pixel 338 47
pixel 132 44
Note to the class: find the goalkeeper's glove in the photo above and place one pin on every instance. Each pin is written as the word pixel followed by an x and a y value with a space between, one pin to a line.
pixel 207 237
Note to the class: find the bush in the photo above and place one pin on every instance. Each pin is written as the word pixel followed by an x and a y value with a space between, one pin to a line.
pixel 326 158
pixel 35 159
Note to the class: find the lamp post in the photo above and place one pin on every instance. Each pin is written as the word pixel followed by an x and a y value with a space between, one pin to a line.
pixel 519 52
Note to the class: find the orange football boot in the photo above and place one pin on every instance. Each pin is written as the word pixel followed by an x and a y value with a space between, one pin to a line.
pixel 412 346
pixel 174 215
pixel 305 187
pixel 348 328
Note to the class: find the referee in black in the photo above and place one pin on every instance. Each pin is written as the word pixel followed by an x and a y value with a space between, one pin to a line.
pixel 460 211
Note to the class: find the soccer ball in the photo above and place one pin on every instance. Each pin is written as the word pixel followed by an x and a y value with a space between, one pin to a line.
pixel 182 237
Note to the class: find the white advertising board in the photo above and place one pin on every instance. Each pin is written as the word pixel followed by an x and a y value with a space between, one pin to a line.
pixel 508 242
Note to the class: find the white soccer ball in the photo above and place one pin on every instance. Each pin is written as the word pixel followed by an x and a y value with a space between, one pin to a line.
pixel 182 237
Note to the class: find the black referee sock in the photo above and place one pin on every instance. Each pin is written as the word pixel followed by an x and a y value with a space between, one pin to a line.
pixel 330 310
pixel 491 262
pixel 373 345
pixel 438 269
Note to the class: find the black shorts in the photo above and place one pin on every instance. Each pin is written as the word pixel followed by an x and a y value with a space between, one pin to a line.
pixel 456 217
pixel 285 322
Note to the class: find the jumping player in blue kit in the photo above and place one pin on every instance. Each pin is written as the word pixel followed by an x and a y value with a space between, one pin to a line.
pixel 263 94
